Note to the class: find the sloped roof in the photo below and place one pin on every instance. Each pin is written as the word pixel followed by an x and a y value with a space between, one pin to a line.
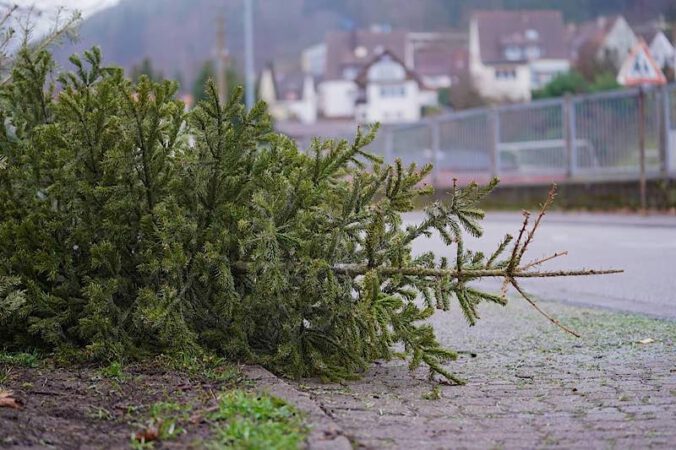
pixel 587 37
pixel 363 74
pixel 341 46
pixel 433 61
pixel 498 29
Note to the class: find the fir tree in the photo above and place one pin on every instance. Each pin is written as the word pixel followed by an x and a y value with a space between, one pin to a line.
pixel 129 227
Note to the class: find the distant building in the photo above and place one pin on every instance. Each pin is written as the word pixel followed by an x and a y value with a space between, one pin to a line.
pixel 607 40
pixel 433 55
pixel 313 60
pixel 511 53
pixel 347 53
pixel 289 97
pixel 389 92
pixel 661 49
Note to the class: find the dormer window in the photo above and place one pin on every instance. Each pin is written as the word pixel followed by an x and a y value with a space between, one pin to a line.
pixel 386 70
pixel 513 53
pixel 532 35
pixel 361 52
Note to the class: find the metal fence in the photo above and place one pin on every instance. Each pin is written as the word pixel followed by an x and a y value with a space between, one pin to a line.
pixel 587 138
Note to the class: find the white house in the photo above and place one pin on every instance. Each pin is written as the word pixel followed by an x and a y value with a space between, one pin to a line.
pixel 661 49
pixel 511 53
pixel 347 53
pixel 289 97
pixel 434 56
pixel 313 60
pixel 605 40
pixel 389 92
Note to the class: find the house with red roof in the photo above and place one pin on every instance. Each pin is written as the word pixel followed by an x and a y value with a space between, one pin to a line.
pixel 606 40
pixel 512 53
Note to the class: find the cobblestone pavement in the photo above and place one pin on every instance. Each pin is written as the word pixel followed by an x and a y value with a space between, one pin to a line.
pixel 529 386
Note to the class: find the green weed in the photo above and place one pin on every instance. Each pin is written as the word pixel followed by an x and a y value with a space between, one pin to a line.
pixel 250 421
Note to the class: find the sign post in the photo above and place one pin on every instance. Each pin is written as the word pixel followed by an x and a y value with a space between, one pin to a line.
pixel 640 69
pixel 641 147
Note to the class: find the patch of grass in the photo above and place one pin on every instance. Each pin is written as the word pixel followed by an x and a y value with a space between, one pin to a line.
pixel 434 394
pixel 19 359
pixel 166 416
pixel 211 367
pixel 114 371
pixel 98 413
pixel 163 424
pixel 251 421
pixel 10 361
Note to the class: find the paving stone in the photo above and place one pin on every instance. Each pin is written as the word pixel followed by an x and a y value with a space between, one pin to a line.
pixel 530 386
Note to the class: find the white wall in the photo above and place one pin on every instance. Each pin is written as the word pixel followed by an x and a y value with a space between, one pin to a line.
pixel 313 60
pixel 544 70
pixel 491 84
pixel 486 80
pixel 389 109
pixel 662 51
pixel 337 98
pixel 305 109
pixel 618 43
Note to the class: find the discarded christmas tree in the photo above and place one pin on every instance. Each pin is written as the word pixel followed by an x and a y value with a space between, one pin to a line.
pixel 129 227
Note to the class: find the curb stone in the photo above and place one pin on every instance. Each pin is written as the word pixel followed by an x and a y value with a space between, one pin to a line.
pixel 325 434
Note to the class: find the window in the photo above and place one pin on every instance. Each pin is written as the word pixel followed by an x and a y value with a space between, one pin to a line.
pixel 392 91
pixel 386 70
pixel 513 53
pixel 505 74
pixel 361 52
pixel 532 35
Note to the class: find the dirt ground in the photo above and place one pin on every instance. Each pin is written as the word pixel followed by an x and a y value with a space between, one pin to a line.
pixel 88 408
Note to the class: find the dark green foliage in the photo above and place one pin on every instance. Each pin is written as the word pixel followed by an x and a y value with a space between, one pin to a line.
pixel 574 82
pixel 129 227
pixel 232 80
pixel 145 67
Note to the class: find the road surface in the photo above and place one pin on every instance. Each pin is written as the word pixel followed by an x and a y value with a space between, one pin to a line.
pixel 645 247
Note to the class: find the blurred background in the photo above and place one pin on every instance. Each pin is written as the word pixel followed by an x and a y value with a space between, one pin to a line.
pixel 576 92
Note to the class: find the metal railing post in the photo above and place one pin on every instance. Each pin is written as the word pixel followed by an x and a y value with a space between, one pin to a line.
pixel 665 132
pixel 436 149
pixel 494 123
pixel 569 132
pixel 389 145
pixel 643 185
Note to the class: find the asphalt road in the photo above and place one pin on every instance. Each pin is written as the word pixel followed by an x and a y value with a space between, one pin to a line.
pixel 645 247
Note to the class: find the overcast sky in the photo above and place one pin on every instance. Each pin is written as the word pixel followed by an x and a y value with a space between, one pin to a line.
pixel 49 8
pixel 86 6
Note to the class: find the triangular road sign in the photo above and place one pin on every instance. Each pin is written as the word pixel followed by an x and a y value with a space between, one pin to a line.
pixel 640 68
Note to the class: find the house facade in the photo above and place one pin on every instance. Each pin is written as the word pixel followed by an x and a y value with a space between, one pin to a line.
pixel 511 53
pixel 347 54
pixel 389 92
pixel 367 78
pixel 604 41
pixel 289 97
pixel 661 49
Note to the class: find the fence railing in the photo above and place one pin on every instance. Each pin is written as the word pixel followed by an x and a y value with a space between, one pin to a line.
pixel 587 138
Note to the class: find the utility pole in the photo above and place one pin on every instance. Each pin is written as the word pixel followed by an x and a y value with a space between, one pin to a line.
pixel 221 60
pixel 249 70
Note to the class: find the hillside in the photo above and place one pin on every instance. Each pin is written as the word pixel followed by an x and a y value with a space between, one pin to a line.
pixel 179 34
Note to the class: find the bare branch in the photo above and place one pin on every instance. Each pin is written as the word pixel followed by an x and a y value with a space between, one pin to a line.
pixel 538 309
pixel 537 262
pixel 543 210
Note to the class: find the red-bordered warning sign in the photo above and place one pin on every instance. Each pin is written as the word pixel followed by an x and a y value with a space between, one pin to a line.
pixel 640 68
